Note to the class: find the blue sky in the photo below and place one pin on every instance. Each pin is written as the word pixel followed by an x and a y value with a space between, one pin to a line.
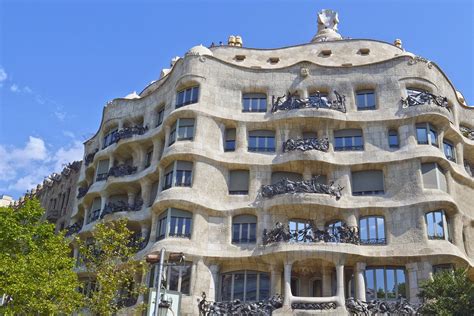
pixel 61 61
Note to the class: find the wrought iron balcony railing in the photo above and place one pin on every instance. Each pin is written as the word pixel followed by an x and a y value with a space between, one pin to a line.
pixel 82 191
pixel 73 229
pixel 236 307
pixel 424 97
pixel 310 234
pixel 318 101
pixel 121 206
pixel 121 170
pixel 305 186
pixel 90 157
pixel 467 132
pixel 305 144
pixel 138 242
pixel 401 306
pixel 373 241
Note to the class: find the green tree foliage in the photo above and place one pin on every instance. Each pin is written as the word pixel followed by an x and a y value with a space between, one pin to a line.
pixel 109 256
pixel 36 270
pixel 449 293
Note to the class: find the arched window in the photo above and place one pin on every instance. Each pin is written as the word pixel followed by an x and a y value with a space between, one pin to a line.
pixel 372 230
pixel 245 286
pixel 174 223
pixel 244 229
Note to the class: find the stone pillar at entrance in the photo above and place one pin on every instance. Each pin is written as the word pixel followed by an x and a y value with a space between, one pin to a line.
pixel 359 280
pixel 213 284
pixel 412 282
pixel 287 291
pixel 340 284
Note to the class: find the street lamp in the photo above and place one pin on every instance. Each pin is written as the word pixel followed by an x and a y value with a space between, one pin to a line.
pixel 161 308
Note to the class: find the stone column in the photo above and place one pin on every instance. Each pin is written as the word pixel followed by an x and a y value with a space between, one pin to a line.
pixel 326 280
pixel 460 154
pixel 457 226
pixel 157 142
pixel 359 280
pixel 194 276
pixel 131 198
pixel 412 282
pixel 213 286
pixel 145 186
pixel 275 281
pixel 104 198
pixel 340 284
pixel 287 290
pixel 307 173
pixel 241 137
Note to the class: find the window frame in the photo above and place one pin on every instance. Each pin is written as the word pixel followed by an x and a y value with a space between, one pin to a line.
pixel 429 131
pixel 300 224
pixel 230 140
pixel 241 225
pixel 244 287
pixel 376 240
pixel 160 116
pixel 170 178
pixel 445 233
pixel 193 97
pixel 393 133
pixel 176 128
pixel 267 140
pixel 169 221
pixel 364 94
pixel 258 97
pixel 448 146
pixel 395 269
pixel 349 143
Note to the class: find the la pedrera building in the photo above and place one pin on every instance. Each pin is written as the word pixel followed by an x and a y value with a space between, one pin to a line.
pixel 333 169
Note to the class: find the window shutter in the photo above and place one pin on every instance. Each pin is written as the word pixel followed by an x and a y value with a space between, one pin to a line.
pixel 429 171
pixel 348 133
pixel 180 213
pixel 96 204
pixel 184 165
pixel 254 96
pixel 230 134
pixel 442 179
pixel 244 219
pixel 262 133
pixel 371 180
pixel 186 122
pixel 169 168
pixel 239 180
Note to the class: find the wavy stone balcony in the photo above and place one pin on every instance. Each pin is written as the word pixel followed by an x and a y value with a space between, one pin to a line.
pixel 318 101
pixel 305 186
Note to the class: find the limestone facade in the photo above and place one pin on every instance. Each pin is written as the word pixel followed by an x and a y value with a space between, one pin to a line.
pixel 186 133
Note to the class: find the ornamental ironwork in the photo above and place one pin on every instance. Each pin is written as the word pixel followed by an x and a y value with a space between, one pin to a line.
pixel 467 132
pixel 237 307
pixel 121 170
pixel 375 307
pixel 128 132
pixel 321 306
pixel 305 186
pixel 424 97
pixel 90 157
pixel 305 144
pixel 73 229
pixel 121 206
pixel 82 191
pixel 469 169
pixel 138 242
pixel 291 101
pixel 341 234
pixel 373 241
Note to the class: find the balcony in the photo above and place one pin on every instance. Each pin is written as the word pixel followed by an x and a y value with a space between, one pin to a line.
pixel 318 101
pixel 121 206
pixel 423 97
pixel 305 186
pixel 309 234
pixel 124 133
pixel 467 132
pixel 90 157
pixel 82 192
pixel 469 168
pixel 121 170
pixel 73 229
pixel 138 242
pixel 305 144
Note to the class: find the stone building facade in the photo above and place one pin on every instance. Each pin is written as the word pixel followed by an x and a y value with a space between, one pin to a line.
pixel 334 169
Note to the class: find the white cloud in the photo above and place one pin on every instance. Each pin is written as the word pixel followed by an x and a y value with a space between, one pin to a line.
pixel 63 156
pixel 27 89
pixel 60 115
pixel 14 88
pixel 3 75
pixel 69 134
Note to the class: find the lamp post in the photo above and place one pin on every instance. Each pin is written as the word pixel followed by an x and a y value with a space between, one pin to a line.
pixel 162 305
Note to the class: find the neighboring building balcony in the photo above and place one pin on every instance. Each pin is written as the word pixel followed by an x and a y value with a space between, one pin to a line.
pixel 305 144
pixel 316 101
pixel 305 186
pixel 73 229
pixel 93 216
pixel 121 206
pixel 309 234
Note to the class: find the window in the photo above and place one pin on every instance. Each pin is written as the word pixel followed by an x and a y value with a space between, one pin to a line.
pixel 187 96
pixel 183 129
pixel 280 175
pixel 433 176
pixel 385 283
pixel 174 223
pixel 178 174
pixel 160 116
pixel 177 277
pixel 254 102
pixel 153 193
pixel 372 230
pixel 426 134
pixel 437 225
pixel 239 182
pixel 94 211
pixel 295 286
pixel 149 155
pixel 365 100
pixel 102 170
pixel 244 229
pixel 109 138
pixel 333 227
pixel 261 141
pixel 229 144
pixel 449 150
pixel 393 141
pixel 439 268
pixel 300 230
pixel 368 182
pixel 348 139
pixel 246 286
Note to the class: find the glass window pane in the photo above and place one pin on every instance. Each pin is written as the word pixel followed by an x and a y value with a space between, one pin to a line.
pixel 391 288
pixel 239 286
pixel 235 232
pixel 380 228
pixel 370 99
pixel 254 104
pixel 180 100
pixel 271 143
pixel 370 286
pixel 433 137
pixel 372 228
pixel 264 291
pixel 173 226
pixel 439 224
pixel 245 232
pixel 263 105
pixel 361 100
pixel 185 278
pixel 348 142
pixel 339 142
pixel 226 290
pixel 187 98
pixel 261 142
pixel 379 278
pixel 363 229
pixel 173 278
pixel 251 290
pixel 358 141
pixel 195 94
pixel 253 232
pixel 401 285
pixel 180 227
pixel 253 142
pixel 421 135
pixel 246 104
